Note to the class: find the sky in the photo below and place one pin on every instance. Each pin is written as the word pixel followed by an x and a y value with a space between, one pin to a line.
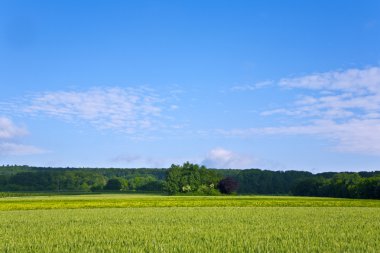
pixel 278 85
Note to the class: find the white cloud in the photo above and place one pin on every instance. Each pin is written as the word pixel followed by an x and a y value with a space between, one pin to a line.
pixel 223 158
pixel 354 136
pixel 351 80
pixel 251 87
pixel 8 148
pixel 132 160
pixel 126 159
pixel 344 105
pixel 9 130
pixel 344 94
pixel 124 109
pixel 344 108
pixel 174 107
pixel 357 136
pixel 354 89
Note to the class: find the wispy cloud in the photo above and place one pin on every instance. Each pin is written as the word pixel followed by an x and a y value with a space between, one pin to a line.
pixel 9 130
pixel 126 158
pixel 8 133
pixel 346 94
pixel 354 136
pixel 251 87
pixel 124 109
pixel 132 160
pixel 365 80
pixel 9 148
pixel 223 158
pixel 344 108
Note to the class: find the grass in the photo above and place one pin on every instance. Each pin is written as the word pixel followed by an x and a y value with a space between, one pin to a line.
pixel 151 223
pixel 209 229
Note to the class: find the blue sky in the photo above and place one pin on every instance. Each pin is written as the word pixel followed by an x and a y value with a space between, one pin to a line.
pixel 229 84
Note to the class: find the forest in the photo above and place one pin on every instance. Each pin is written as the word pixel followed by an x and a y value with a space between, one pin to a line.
pixel 191 179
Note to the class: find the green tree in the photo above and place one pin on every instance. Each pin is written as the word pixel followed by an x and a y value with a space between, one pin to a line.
pixel 189 178
pixel 173 179
pixel 113 184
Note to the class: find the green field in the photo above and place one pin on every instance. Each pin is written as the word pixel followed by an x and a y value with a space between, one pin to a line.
pixel 148 223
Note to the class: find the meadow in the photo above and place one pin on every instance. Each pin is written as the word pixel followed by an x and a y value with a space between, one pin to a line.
pixel 153 223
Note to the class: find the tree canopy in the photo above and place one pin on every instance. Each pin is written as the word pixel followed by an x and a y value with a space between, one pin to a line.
pixel 191 179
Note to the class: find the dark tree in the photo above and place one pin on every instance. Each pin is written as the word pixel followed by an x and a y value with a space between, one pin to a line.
pixel 310 187
pixel 228 185
pixel 113 184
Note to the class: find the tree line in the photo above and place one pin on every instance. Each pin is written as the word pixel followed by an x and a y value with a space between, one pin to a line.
pixel 191 179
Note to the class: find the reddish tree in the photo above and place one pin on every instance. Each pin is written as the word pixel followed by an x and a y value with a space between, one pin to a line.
pixel 228 185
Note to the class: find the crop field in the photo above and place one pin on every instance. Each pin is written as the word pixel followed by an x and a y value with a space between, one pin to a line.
pixel 148 223
pixel 140 200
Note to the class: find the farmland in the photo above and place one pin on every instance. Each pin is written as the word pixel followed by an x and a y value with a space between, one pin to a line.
pixel 140 200
pixel 153 223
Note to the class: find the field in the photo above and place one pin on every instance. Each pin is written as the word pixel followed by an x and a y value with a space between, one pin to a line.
pixel 148 223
